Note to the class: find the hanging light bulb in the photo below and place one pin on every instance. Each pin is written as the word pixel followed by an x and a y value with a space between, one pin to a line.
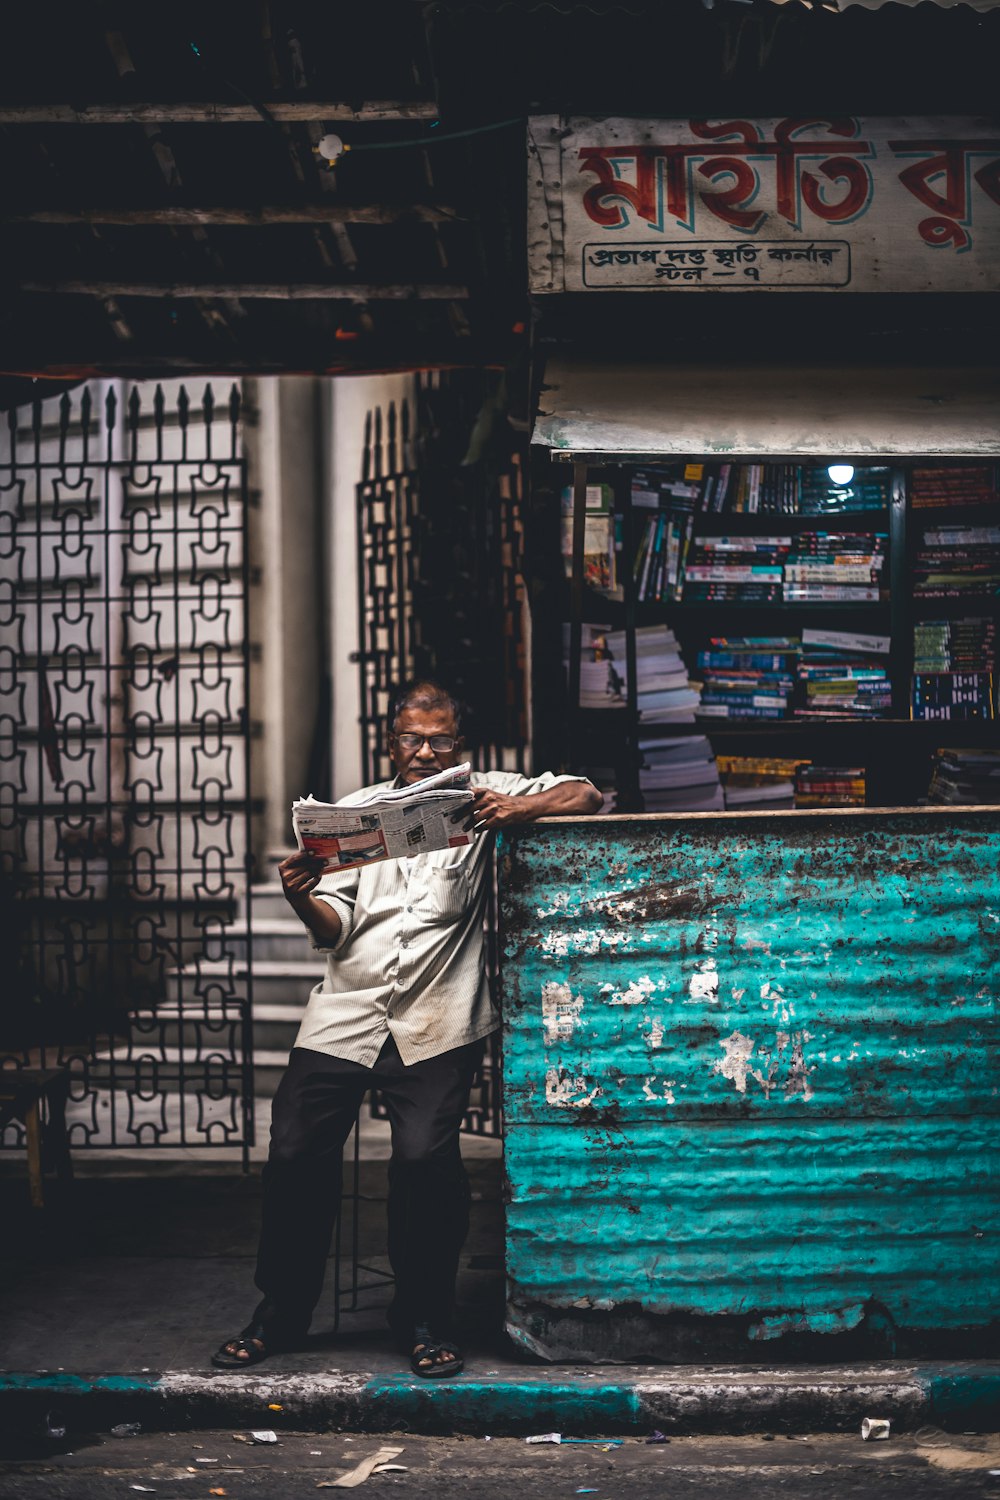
pixel 330 147
pixel 841 473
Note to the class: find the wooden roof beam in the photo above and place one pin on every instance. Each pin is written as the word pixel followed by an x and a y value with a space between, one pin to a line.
pixel 310 291
pixel 209 113
pixel 237 215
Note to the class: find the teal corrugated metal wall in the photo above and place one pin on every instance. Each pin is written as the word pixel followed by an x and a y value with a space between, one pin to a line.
pixel 750 1079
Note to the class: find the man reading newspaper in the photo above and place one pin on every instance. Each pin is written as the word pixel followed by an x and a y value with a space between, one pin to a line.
pixel 404 1007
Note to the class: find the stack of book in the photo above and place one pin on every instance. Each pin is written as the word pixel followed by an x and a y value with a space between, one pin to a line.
pixel 835 567
pixel 663 693
pixel 747 677
pixel 867 489
pixel 735 569
pixel 952 695
pixel 758 781
pixel 953 484
pixel 845 675
pixel 954 667
pixel 790 489
pixel 679 775
pixel 970 776
pixel 601 540
pixel 830 786
pixel 957 562
pixel 661 554
pixel 599 684
pixel 967 645
pixel 755 489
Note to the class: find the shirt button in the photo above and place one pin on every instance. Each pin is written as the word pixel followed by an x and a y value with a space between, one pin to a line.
pixel 405 943
pixel 407 908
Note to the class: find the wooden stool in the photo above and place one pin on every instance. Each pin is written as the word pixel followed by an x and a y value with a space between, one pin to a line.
pixel 21 1092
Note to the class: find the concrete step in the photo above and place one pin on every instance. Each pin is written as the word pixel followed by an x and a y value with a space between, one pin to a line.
pixel 267 901
pixel 271 938
pixel 183 1069
pixel 218 1027
pixel 275 982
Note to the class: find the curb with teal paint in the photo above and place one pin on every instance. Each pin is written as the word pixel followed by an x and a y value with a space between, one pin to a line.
pixel 957 1396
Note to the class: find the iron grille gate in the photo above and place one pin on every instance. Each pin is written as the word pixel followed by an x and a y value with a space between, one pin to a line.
pixel 441 590
pixel 124 763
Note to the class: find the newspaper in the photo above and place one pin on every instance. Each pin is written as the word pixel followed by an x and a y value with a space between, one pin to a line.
pixel 387 825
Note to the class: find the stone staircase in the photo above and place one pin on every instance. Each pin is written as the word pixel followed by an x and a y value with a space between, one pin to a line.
pixel 284 969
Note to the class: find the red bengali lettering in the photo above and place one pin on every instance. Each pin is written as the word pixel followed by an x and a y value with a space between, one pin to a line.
pixel 729 203
pixel 602 201
pixel 789 175
pixel 949 204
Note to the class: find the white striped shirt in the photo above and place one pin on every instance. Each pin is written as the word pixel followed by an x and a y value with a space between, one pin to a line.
pixel 410 958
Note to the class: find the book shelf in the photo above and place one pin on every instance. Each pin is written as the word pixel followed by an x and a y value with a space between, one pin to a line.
pixel 895 749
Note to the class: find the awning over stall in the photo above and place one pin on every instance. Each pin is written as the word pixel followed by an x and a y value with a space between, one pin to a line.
pixel 597 411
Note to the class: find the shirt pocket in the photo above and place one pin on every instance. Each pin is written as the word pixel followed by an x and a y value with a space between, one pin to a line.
pixel 441 897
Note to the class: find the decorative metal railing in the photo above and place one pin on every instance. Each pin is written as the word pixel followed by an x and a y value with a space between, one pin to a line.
pixel 124 762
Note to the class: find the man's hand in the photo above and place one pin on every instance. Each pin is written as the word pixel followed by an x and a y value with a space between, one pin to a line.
pixel 300 874
pixel 492 810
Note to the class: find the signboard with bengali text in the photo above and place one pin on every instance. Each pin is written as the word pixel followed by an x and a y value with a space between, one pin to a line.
pixel 848 204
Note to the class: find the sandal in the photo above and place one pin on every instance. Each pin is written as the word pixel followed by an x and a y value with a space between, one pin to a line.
pixel 257 1344
pixel 427 1346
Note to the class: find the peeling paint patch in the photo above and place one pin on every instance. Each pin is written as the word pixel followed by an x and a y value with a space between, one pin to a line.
pixel 654 1036
pixel 560 1011
pixel 738 1063
pixel 636 993
pixel 704 985
pixel 735 1065
pixel 840 1320
pixel 561 941
pixel 667 1094
pixel 562 1090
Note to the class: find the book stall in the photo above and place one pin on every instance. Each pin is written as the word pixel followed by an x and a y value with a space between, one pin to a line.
pixel 750 1083
pixel 749 1020
pixel 811 622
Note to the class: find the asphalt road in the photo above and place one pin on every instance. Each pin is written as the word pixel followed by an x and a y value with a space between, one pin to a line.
pixel 203 1464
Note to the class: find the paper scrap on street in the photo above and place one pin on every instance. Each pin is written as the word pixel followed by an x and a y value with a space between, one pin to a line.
pixel 364 1469
pixel 391 824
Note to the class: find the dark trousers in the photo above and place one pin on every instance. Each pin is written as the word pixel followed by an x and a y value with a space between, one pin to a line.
pixel 314 1109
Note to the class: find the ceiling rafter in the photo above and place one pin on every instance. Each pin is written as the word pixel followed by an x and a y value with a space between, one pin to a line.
pixel 344 291
pixel 287 112
pixel 238 214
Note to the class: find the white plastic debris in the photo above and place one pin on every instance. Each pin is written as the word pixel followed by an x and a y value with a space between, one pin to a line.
pixel 873 1428
pixel 370 1465
pixel 264 1436
pixel 545 1437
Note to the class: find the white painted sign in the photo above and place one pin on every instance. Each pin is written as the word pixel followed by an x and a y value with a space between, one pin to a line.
pixel 850 204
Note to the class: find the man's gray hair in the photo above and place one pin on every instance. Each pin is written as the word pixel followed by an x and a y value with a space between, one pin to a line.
pixel 424 692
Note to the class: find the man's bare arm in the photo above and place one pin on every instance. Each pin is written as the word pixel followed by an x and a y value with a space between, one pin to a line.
pixel 567 798
pixel 300 874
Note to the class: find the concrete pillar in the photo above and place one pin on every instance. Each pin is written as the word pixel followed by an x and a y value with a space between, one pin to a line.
pixel 347 401
pixel 285 464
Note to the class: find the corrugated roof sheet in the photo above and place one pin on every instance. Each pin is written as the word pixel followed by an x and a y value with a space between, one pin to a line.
pixel 751 1081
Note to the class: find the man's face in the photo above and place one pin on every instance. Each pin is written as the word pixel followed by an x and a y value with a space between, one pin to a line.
pixel 413 763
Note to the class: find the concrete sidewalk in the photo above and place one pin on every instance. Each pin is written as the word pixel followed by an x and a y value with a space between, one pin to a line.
pixel 113 1298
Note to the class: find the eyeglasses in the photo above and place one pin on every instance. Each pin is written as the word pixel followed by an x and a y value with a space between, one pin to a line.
pixel 437 742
